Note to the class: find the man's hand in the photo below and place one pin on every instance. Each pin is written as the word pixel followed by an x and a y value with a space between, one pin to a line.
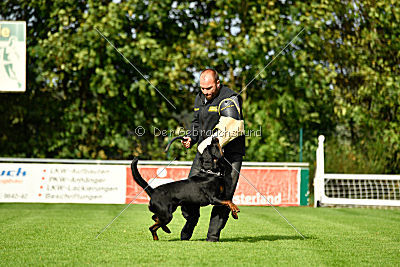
pixel 186 141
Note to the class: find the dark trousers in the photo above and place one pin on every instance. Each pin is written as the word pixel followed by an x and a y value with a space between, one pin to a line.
pixel 219 214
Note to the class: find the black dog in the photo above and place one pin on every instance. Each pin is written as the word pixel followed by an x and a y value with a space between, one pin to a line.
pixel 203 189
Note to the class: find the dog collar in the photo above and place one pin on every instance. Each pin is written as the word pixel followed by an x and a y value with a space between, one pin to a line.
pixel 211 172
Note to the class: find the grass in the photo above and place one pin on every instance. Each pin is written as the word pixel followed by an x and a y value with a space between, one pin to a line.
pixel 64 234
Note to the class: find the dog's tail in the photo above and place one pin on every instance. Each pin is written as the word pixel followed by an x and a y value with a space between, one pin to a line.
pixel 170 142
pixel 139 179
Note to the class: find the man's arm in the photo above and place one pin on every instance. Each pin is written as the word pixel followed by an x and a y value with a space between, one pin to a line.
pixel 193 135
pixel 230 124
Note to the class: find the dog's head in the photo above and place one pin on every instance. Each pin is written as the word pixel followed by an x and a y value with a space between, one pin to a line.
pixel 212 157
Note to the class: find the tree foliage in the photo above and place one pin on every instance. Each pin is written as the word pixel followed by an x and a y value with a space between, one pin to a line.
pixel 329 67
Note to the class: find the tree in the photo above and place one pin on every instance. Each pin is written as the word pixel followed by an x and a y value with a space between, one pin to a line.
pixel 327 67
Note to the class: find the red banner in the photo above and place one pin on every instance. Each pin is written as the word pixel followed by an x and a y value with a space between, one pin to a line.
pixel 276 186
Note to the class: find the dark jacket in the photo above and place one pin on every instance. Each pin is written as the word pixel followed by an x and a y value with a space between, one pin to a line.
pixel 206 117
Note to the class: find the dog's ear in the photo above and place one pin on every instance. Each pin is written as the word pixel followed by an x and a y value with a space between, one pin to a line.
pixel 201 161
pixel 207 155
pixel 206 159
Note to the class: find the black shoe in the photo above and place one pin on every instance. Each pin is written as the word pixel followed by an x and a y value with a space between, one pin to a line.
pixel 212 239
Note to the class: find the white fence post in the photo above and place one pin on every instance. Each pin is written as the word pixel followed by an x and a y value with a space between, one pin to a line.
pixel 319 172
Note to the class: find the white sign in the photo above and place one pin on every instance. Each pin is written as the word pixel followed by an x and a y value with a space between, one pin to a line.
pixel 12 56
pixel 62 183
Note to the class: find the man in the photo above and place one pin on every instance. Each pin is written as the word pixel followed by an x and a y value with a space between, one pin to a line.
pixel 10 56
pixel 217 112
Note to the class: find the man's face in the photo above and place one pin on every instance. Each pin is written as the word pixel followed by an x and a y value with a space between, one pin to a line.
pixel 209 87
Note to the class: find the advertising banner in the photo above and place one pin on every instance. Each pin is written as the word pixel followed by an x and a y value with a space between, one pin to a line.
pixel 62 183
pixel 12 56
pixel 113 184
pixel 278 186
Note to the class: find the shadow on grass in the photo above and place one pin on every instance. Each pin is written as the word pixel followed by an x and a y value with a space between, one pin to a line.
pixel 254 239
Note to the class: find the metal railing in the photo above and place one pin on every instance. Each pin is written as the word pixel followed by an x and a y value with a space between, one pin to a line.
pixel 143 162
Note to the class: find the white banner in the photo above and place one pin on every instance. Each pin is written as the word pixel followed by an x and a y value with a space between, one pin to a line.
pixel 62 183
pixel 114 184
pixel 12 56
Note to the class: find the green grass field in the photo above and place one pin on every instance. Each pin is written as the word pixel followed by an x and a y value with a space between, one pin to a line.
pixel 64 234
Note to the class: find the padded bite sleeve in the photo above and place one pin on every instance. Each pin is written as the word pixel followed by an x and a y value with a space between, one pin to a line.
pixel 228 129
pixel 230 107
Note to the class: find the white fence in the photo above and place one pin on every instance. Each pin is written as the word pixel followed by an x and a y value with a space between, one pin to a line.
pixel 353 189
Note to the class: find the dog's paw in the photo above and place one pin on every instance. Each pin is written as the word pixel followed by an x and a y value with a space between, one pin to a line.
pixel 235 211
pixel 166 229
pixel 235 215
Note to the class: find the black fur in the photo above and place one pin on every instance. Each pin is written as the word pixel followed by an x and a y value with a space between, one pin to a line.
pixel 203 189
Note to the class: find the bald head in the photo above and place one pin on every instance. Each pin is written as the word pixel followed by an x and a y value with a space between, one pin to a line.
pixel 209 83
pixel 209 74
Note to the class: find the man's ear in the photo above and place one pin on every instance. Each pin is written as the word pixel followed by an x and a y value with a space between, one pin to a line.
pixel 218 84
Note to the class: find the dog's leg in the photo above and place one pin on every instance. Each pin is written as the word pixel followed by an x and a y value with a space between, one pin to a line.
pixel 235 210
pixel 153 229
pixel 164 227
